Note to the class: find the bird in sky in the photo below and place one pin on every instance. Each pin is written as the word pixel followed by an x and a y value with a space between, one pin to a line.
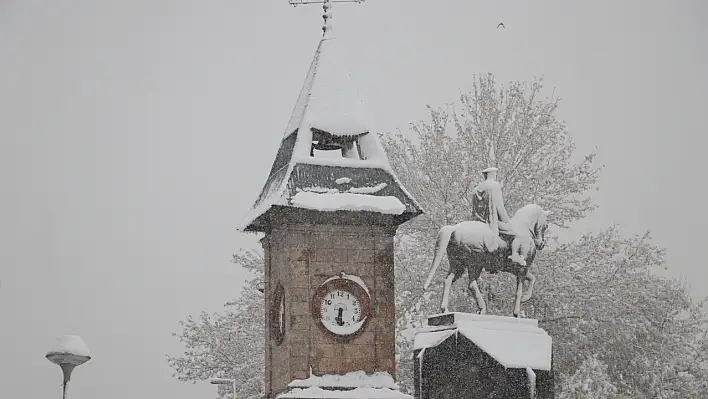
pixel 501 24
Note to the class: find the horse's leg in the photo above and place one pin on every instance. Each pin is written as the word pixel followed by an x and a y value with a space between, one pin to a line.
pixel 516 251
pixel 531 279
pixel 474 269
pixel 519 292
pixel 474 288
pixel 446 292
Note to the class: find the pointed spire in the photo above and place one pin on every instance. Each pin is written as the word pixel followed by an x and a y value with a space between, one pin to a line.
pixel 329 110
pixel 328 100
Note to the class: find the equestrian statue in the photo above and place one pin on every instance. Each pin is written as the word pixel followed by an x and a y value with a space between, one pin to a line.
pixel 491 241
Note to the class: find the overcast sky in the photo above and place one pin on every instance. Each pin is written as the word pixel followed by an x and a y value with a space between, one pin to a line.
pixel 135 134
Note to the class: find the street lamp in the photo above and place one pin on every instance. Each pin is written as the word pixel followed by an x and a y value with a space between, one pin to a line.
pixel 70 351
pixel 225 381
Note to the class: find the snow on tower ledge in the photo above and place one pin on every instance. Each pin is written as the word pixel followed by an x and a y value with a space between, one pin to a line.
pixel 329 104
pixel 354 385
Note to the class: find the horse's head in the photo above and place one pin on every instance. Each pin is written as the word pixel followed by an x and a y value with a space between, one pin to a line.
pixel 539 230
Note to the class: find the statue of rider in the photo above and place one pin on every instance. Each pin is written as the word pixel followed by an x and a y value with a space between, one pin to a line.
pixel 488 207
pixel 488 203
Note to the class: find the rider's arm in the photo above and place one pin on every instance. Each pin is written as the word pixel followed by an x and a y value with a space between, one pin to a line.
pixel 501 209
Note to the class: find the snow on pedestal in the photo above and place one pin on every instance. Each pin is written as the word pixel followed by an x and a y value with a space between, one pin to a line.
pixel 511 341
pixel 354 385
pixel 488 352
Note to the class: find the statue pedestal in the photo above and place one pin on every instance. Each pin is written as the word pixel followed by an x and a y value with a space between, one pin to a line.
pixel 464 355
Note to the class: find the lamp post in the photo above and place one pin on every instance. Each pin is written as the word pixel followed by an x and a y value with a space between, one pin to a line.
pixel 70 351
pixel 225 381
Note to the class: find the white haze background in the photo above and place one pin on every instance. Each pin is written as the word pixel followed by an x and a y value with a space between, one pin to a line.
pixel 136 134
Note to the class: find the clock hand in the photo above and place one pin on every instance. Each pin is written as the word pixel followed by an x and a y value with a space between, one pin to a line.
pixel 340 321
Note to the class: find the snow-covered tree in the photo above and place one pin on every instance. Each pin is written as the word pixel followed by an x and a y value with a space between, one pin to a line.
pixel 590 381
pixel 229 344
pixel 597 295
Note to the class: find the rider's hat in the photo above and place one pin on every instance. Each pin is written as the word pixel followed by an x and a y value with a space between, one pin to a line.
pixel 492 169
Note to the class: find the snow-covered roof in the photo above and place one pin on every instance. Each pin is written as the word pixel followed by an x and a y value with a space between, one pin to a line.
pixel 354 385
pixel 432 338
pixel 513 342
pixel 69 344
pixel 329 102
pixel 331 187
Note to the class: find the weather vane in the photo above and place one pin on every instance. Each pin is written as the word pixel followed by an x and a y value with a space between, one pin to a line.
pixel 327 16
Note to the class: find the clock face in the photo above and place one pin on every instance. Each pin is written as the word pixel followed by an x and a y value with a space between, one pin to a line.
pixel 277 314
pixel 341 307
pixel 340 311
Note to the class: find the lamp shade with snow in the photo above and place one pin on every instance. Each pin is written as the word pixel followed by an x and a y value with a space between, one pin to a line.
pixel 68 352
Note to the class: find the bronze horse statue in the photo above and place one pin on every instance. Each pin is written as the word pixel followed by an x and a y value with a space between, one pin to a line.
pixel 468 243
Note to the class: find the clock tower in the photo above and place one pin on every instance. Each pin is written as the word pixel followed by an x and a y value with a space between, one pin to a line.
pixel 329 210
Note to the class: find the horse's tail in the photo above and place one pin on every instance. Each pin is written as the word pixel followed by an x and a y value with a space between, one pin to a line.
pixel 440 246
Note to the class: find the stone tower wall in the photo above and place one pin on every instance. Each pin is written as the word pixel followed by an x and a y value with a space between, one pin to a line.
pixel 301 257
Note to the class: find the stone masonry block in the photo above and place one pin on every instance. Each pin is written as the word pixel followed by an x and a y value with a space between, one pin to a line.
pixel 321 240
pixel 297 254
pixel 298 338
pixel 321 268
pixel 384 255
pixel 296 238
pixel 298 295
pixel 300 351
pixel 331 255
pixel 387 365
pixel 370 284
pixel 384 308
pixel 321 254
pixel 358 357
pixel 324 365
pixel 344 241
pixel 318 279
pixel 386 313
pixel 325 350
pixel 300 323
pixel 383 241
pixel 385 353
pixel 386 339
pixel 300 308
pixel 298 267
pixel 384 269
pixel 299 280
pixel 365 241
pixel 299 367
pixel 360 256
pixel 366 338
pixel 384 284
